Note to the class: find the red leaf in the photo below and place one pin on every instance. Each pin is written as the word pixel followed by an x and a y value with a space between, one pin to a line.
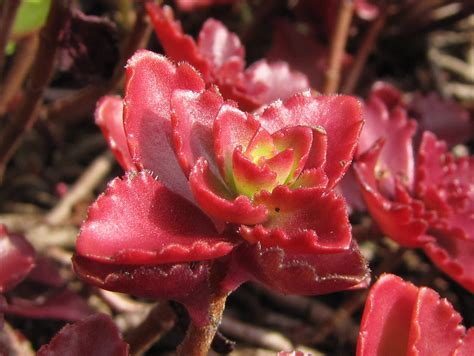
pixel 151 81
pixel 446 185
pixel 340 116
pixel 216 201
pixel 302 274
pixel 177 45
pixel 302 221
pixel 17 258
pixel 139 221
pixel 404 221
pixel 187 283
pixel 266 82
pixel 401 319
pixel 386 119
pixel 445 118
pixel 192 120
pixel 96 335
pixel 61 304
pixel 109 117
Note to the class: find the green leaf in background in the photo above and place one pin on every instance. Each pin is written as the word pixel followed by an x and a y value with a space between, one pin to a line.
pixel 31 16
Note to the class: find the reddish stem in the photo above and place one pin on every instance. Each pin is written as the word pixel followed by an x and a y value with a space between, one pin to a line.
pixel 40 76
pixel 159 320
pixel 7 19
pixel 198 338
pixel 338 44
pixel 363 53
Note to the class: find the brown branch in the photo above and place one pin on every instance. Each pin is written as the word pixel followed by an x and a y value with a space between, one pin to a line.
pixel 39 78
pixel 363 53
pixel 338 44
pixel 7 19
pixel 92 177
pixel 159 320
pixel 198 338
pixel 24 55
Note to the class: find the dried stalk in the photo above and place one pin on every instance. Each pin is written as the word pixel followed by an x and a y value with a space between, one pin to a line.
pixel 338 44
pixel 92 177
pixel 40 76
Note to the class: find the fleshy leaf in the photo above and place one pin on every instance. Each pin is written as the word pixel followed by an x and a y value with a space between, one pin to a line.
pixel 232 128
pixel 266 82
pixel 444 117
pixel 151 81
pixel 435 325
pixel 177 45
pixel 404 221
pixel 187 283
pixel 340 116
pixel 385 325
pixel 215 200
pixel 447 185
pixel 222 49
pixel 390 123
pixel 453 256
pixel 302 221
pixel 61 304
pixel 83 338
pixel 109 117
pixel 17 259
pixel 139 221
pixel 401 319
pixel 316 274
pixel 192 120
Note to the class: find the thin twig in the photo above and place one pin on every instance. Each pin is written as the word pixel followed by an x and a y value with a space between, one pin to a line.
pixel 363 53
pixel 40 76
pixel 86 183
pixel 24 55
pixel 159 320
pixel 338 45
pixel 7 19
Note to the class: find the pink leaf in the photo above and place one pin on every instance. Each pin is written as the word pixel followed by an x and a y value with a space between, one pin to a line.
pixel 109 117
pixel 151 81
pixel 96 335
pixel 316 274
pixel 193 116
pixel 62 304
pixel 302 221
pixel 216 201
pixel 17 258
pixel 187 283
pixel 139 221
pixel 339 116
pixel 401 319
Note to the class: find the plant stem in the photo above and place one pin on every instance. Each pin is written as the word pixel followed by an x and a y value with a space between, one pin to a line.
pixel 40 76
pixel 7 18
pixel 198 338
pixel 338 44
pixel 159 320
pixel 363 53
pixel 24 55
